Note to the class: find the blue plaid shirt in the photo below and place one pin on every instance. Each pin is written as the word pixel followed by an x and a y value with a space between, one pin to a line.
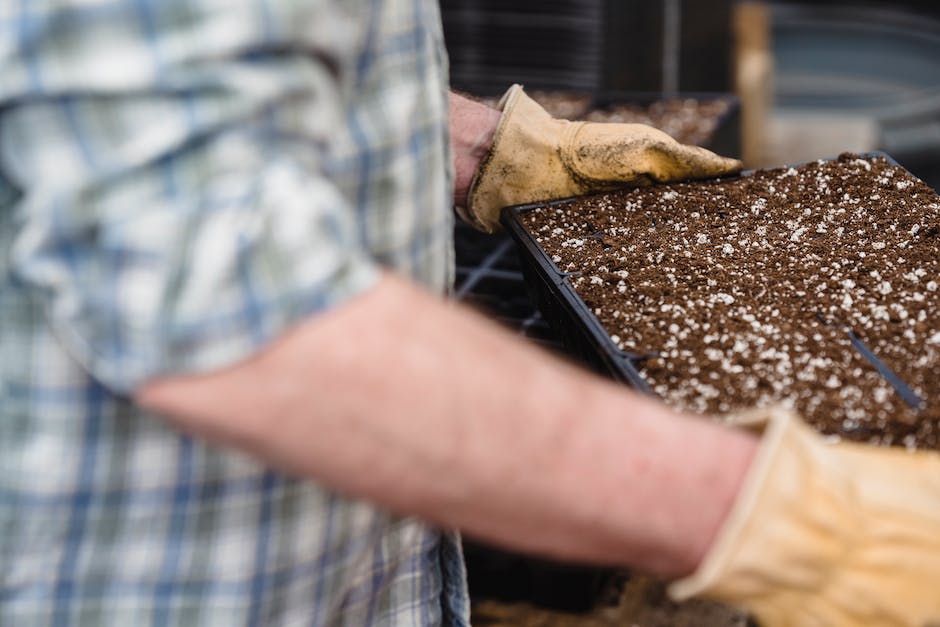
pixel 182 179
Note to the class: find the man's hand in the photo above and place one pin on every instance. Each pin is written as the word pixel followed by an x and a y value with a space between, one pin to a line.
pixel 537 157
pixel 828 534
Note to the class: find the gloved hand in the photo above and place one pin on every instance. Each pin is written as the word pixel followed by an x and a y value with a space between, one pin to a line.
pixel 537 157
pixel 828 534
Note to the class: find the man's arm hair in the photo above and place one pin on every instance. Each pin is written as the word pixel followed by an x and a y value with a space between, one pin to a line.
pixel 426 408
pixel 472 126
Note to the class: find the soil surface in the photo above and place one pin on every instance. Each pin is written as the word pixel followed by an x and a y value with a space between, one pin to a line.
pixel 750 291
pixel 560 104
pixel 687 120
pixel 641 602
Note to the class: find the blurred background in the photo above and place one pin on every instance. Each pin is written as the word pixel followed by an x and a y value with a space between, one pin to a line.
pixel 813 78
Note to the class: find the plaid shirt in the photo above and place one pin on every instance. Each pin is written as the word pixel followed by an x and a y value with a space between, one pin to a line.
pixel 183 179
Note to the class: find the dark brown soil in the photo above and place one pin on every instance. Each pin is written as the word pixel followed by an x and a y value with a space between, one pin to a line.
pixel 560 104
pixel 642 602
pixel 687 120
pixel 743 290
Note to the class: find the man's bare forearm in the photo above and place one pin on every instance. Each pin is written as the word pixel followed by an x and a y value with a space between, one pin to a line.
pixel 428 409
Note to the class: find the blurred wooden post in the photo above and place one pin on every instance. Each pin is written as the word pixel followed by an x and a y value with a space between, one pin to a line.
pixel 754 78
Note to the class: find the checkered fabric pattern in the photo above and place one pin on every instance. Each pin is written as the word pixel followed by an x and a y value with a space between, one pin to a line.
pixel 182 180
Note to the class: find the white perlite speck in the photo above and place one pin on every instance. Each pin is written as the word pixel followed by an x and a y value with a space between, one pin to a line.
pixel 714 354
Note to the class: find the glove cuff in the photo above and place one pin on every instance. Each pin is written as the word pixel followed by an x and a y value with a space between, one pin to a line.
pixel 786 525
pixel 523 164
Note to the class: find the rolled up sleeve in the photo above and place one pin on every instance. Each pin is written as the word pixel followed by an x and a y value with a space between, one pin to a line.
pixel 150 276
pixel 178 209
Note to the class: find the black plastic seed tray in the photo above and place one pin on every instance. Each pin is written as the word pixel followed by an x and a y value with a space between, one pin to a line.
pixel 574 323
pixel 582 333
pixel 489 278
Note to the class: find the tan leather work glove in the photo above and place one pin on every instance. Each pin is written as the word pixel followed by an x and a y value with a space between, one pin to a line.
pixel 537 157
pixel 828 534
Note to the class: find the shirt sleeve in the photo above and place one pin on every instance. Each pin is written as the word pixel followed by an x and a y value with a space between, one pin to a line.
pixel 179 226
pixel 142 284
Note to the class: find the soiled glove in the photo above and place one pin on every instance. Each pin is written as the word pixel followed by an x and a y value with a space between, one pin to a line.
pixel 828 534
pixel 537 157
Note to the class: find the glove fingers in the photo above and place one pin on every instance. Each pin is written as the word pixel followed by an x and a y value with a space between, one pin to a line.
pixel 694 162
pixel 605 156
